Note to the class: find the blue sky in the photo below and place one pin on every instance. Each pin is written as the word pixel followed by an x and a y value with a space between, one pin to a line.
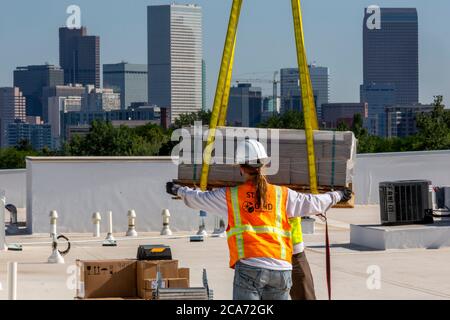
pixel 29 35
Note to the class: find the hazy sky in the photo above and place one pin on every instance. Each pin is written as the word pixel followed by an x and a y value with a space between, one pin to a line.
pixel 29 35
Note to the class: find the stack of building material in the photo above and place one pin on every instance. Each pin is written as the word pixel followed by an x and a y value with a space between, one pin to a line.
pixel 334 152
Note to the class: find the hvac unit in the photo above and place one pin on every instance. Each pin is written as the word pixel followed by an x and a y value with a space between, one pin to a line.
pixel 443 198
pixel 406 202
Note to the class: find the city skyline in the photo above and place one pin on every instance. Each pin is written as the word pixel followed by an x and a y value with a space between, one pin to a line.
pixel 344 60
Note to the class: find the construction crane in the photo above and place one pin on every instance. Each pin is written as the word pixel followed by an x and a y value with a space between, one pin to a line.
pixel 273 82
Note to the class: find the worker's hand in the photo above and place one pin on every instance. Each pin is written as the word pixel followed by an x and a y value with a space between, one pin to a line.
pixel 347 195
pixel 172 188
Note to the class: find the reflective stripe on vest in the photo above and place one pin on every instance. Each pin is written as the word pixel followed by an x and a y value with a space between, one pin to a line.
pixel 279 220
pixel 237 222
pixel 297 233
pixel 239 229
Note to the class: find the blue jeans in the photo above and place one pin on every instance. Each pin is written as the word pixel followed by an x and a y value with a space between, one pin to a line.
pixel 252 283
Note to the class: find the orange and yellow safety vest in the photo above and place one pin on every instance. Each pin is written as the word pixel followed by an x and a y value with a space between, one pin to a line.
pixel 255 232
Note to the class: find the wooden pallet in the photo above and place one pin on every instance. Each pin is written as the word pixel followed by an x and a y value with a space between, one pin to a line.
pixel 299 188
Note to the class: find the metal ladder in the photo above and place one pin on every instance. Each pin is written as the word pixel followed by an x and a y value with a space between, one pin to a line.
pixel 200 293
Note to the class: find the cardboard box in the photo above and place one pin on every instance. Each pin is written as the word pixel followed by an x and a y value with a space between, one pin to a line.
pixel 148 270
pixel 185 273
pixel 106 278
pixel 178 283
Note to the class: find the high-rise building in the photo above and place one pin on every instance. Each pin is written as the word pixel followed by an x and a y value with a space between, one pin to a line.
pixel 245 106
pixel 290 89
pixel 129 80
pixel 12 108
pixel 79 56
pixel 175 58
pixel 38 135
pixel 52 94
pixel 335 113
pixel 401 120
pixel 378 97
pixel 31 80
pixel 391 53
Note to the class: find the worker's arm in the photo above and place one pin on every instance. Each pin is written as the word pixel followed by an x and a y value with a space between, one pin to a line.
pixel 209 201
pixel 301 205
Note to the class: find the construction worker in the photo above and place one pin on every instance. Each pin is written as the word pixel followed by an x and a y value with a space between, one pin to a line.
pixel 259 232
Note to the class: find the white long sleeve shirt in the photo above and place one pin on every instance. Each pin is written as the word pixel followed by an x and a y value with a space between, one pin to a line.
pixel 297 205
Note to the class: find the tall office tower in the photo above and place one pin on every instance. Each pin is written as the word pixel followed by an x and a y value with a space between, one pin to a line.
pixel 378 97
pixel 129 80
pixel 204 107
pixel 32 79
pixel 12 108
pixel 391 56
pixel 175 58
pixel 79 56
pixel 290 89
pixel 245 106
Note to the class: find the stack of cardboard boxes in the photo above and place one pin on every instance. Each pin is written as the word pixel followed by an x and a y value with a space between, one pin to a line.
pixel 127 279
pixel 335 153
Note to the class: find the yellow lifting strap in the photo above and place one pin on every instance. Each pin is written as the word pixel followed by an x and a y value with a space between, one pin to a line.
pixel 309 108
pixel 220 107
pixel 223 89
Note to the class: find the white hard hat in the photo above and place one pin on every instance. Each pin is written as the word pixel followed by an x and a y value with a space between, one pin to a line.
pixel 251 152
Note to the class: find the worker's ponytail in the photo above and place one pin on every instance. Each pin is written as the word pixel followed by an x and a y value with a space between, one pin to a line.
pixel 260 181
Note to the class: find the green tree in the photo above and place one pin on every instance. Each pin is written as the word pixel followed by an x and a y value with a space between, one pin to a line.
pixel 188 119
pixel 434 128
pixel 342 126
pixel 105 140
pixel 12 158
pixel 288 120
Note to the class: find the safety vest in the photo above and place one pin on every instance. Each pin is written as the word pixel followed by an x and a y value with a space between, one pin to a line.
pixel 297 233
pixel 254 232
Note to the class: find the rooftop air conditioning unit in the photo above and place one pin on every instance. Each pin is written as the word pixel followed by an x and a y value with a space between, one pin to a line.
pixel 443 198
pixel 406 202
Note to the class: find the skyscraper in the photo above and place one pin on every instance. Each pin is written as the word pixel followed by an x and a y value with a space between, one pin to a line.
pixel 31 80
pixel 290 89
pixel 129 80
pixel 175 58
pixel 245 106
pixel 12 108
pixel 79 56
pixel 391 53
